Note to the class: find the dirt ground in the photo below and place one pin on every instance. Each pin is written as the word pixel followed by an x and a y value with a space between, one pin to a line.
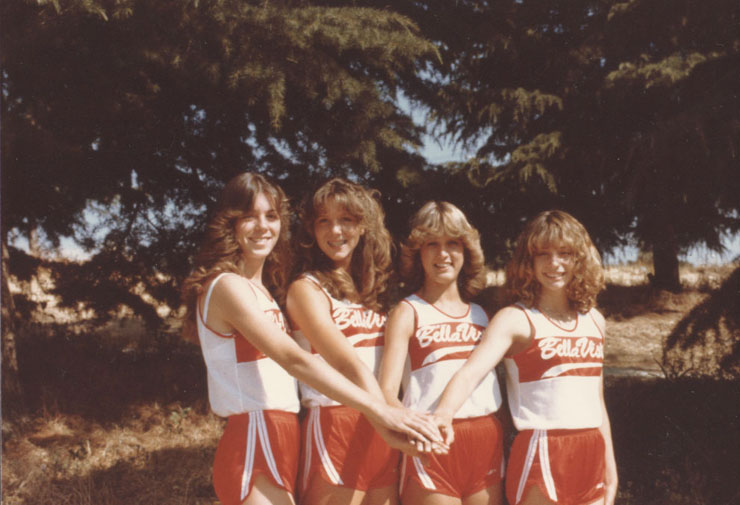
pixel 112 427
pixel 634 341
pixel 640 320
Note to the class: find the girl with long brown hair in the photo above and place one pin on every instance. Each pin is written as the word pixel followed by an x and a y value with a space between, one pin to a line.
pixel 251 360
pixel 337 308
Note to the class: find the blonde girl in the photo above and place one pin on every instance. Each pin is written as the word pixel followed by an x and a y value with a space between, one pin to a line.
pixel 429 336
pixel 552 343
pixel 250 358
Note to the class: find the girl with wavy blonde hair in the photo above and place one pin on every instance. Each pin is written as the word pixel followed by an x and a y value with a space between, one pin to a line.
pixel 552 343
pixel 436 219
pixel 429 336
pixel 252 362
pixel 336 306
pixel 555 227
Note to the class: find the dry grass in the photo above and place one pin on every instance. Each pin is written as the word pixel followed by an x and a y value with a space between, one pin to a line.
pixel 159 454
pixel 123 419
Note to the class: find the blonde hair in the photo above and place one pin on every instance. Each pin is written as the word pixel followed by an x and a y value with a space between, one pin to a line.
pixel 220 251
pixel 436 219
pixel 549 228
pixel 370 268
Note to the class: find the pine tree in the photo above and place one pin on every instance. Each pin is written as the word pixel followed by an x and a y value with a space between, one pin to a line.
pixel 136 112
pixel 623 112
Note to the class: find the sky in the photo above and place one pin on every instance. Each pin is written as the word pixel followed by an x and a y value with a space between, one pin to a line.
pixel 442 150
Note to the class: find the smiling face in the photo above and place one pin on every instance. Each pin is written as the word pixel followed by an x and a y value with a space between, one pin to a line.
pixel 442 258
pixel 553 266
pixel 258 231
pixel 337 233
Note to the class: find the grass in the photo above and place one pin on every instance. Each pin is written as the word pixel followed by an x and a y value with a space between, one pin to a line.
pixel 112 422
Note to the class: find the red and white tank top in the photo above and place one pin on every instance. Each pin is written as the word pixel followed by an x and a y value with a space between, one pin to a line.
pixel 364 328
pixel 240 377
pixel 438 348
pixel 555 382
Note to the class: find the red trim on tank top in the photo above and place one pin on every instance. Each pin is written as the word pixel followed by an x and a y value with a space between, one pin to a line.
pixel 416 316
pixel 556 324
pixel 467 312
pixel 315 282
pixel 217 333
pixel 532 330
pixel 598 328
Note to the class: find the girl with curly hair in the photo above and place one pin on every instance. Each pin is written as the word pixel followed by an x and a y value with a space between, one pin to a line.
pixel 251 360
pixel 336 306
pixel 552 343
pixel 429 336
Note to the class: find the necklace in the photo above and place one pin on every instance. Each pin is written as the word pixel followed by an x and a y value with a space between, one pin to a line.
pixel 559 318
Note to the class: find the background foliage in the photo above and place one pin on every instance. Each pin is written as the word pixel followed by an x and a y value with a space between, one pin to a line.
pixel 121 120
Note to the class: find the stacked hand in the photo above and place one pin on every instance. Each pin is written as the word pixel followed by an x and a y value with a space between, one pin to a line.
pixel 414 433
pixel 443 423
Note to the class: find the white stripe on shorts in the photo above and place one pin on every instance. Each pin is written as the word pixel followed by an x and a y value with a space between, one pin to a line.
pixel 307 459
pixel 538 441
pixel 531 451
pixel 314 425
pixel 249 457
pixel 402 476
pixel 424 477
pixel 266 447
pixel 545 465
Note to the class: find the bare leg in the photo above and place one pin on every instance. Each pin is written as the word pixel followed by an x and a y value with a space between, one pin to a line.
pixel 414 494
pixel 321 492
pixel 535 497
pixel 600 501
pixel 489 496
pixel 382 496
pixel 264 492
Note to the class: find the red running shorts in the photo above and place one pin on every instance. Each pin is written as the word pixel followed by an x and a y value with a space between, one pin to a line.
pixel 342 447
pixel 567 465
pixel 262 442
pixel 475 461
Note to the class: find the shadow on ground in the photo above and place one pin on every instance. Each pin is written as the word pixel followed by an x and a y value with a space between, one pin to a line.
pixel 172 476
pixel 93 377
pixel 707 340
pixel 677 441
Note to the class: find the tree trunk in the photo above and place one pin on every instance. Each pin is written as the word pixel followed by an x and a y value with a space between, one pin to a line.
pixel 665 261
pixel 12 391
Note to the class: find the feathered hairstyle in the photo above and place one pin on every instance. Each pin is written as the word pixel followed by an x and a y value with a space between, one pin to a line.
pixel 370 268
pixel 437 219
pixel 220 252
pixel 555 227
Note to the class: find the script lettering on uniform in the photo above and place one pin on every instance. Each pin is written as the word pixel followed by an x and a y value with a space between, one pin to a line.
pixel 358 318
pixel 278 319
pixel 442 333
pixel 564 347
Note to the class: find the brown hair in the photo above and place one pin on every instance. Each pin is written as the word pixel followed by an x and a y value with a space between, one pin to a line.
pixel 370 269
pixel 436 219
pixel 555 227
pixel 220 251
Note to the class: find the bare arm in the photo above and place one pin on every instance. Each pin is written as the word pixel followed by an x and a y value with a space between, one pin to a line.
pixel 398 331
pixel 310 310
pixel 233 306
pixel 611 479
pixel 509 329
